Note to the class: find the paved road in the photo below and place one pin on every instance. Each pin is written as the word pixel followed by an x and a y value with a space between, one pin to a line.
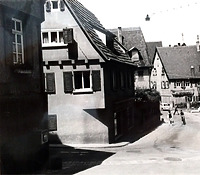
pixel 170 149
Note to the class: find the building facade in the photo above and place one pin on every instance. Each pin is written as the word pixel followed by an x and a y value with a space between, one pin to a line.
pixel 176 74
pixel 89 76
pixel 23 103
pixel 133 39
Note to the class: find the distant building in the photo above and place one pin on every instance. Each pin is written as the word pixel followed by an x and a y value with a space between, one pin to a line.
pixel 151 48
pixel 23 103
pixel 176 74
pixel 89 76
pixel 133 39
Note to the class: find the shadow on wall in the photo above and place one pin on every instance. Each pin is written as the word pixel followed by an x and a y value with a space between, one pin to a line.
pixel 98 114
pixel 137 134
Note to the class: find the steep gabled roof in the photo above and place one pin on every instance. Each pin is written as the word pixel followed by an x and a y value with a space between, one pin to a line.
pixel 89 23
pixel 133 37
pixel 177 61
pixel 151 48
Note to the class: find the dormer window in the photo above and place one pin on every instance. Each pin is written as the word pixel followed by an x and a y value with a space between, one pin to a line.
pixel 52 5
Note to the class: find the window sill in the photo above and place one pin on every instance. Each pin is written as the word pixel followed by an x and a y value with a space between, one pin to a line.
pixel 83 91
pixel 53 44
pixel 22 69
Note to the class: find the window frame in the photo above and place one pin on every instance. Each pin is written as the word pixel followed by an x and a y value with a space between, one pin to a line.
pixel 15 43
pixel 60 40
pixel 83 89
pixel 52 4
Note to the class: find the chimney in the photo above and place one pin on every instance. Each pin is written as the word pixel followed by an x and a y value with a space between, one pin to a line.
pixel 119 35
pixel 197 44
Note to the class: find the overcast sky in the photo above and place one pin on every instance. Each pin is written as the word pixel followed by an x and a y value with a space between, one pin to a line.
pixel 171 21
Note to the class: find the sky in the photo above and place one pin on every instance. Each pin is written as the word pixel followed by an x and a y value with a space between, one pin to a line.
pixel 171 21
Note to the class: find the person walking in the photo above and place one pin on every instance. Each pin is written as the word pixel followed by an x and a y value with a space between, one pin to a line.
pixel 183 117
pixel 176 110
pixel 170 117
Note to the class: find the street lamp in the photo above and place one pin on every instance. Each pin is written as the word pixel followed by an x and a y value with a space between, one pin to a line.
pixel 147 18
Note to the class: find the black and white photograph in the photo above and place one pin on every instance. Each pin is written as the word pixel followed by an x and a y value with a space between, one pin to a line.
pixel 104 87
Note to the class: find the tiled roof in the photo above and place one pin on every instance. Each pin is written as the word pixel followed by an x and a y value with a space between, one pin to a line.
pixel 133 37
pixel 89 23
pixel 151 48
pixel 177 61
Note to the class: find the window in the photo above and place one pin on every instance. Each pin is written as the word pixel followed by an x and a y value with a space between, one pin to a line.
pixel 154 72
pixel 154 85
pixel 122 80
pixel 52 38
pixel 50 83
pixel 114 80
pixel 45 37
pixel 117 123
pixel 187 83
pixel 178 83
pixel 163 71
pixel 165 85
pixel 82 81
pixel 140 75
pixel 62 5
pixel 129 78
pixel 174 84
pixel 54 4
pixel 61 40
pixel 48 6
pixel 18 48
pixel 162 85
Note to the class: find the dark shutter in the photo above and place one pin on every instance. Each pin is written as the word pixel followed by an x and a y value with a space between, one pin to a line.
pixel 73 50
pixel 8 26
pixel 48 6
pixel 68 85
pixel 68 35
pixel 50 82
pixel 96 80
pixel 62 6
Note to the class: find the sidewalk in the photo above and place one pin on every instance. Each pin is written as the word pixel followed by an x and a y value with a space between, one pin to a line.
pixel 113 145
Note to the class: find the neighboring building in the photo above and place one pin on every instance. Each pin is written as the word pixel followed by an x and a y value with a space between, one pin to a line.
pixel 89 77
pixel 151 48
pixel 23 103
pixel 133 39
pixel 176 73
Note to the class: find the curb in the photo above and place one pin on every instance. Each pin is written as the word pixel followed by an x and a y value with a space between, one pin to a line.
pixel 114 145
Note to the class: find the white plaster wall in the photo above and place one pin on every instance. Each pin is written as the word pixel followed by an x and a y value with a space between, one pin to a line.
pixel 142 82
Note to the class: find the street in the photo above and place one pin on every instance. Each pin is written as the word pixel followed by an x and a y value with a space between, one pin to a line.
pixel 169 149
